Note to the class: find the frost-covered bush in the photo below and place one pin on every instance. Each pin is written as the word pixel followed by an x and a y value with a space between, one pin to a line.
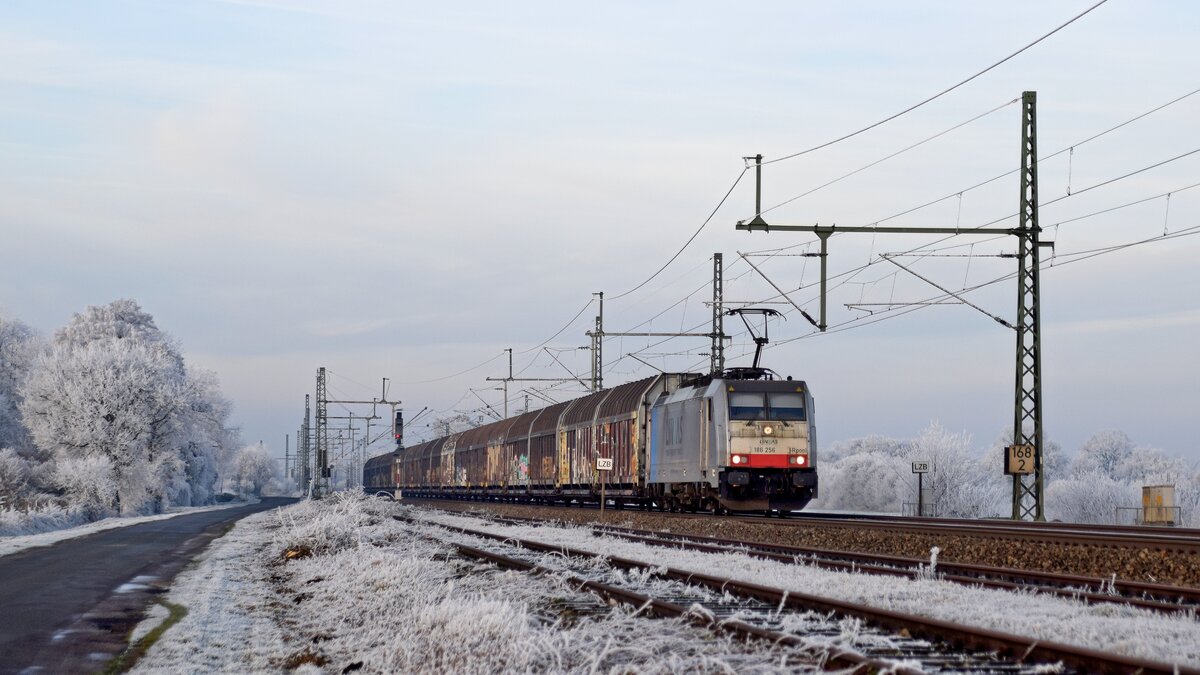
pixel 41 515
pixel 15 478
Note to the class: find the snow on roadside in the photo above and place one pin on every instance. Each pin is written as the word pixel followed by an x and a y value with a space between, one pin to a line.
pixel 13 544
pixel 1112 628
pixel 362 591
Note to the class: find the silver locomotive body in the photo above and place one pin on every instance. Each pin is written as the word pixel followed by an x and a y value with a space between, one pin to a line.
pixel 734 444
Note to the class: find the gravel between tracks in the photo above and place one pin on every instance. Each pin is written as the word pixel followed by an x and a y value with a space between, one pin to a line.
pixel 1132 563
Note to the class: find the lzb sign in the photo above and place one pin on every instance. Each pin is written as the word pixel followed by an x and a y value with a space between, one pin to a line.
pixel 921 467
pixel 604 463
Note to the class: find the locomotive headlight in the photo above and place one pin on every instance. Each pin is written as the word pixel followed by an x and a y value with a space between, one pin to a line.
pixel 737 459
pixel 768 430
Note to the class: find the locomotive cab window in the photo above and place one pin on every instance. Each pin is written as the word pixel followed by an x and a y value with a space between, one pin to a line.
pixel 747 406
pixel 787 406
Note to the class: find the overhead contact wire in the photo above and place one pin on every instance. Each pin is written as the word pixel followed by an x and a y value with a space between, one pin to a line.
pixel 941 93
pixel 690 240
pixel 894 154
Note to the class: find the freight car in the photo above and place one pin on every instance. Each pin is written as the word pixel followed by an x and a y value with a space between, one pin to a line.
pixel 745 441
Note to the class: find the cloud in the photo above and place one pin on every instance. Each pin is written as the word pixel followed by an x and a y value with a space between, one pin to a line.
pixel 1128 324
pixel 345 328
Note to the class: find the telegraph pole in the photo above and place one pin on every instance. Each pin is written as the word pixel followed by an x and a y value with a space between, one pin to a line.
pixel 1028 485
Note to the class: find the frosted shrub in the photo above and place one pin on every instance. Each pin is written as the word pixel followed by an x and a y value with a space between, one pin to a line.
pixel 43 516
pixel 329 525
pixel 89 484
pixel 15 475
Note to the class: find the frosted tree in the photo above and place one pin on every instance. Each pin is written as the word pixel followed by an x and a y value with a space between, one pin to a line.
pixel 866 481
pixel 1089 498
pixel 119 320
pixel 114 387
pixel 18 349
pixel 253 470
pixel 867 444
pixel 1147 466
pixel 203 439
pixel 960 485
pixel 109 399
pixel 91 483
pixel 1103 453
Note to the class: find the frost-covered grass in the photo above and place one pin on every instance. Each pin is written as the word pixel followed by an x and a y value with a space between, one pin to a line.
pixel 1113 628
pixel 45 519
pixel 54 529
pixel 364 590
pixel 339 584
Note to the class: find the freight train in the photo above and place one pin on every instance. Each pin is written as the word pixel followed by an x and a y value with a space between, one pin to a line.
pixel 742 441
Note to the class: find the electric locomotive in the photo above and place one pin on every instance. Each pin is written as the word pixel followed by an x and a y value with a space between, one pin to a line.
pixel 743 439
pixel 743 442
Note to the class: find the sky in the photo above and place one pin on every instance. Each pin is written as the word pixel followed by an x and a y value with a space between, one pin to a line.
pixel 405 190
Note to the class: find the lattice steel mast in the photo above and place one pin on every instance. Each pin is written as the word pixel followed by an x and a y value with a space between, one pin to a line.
pixel 1028 485
pixel 717 350
pixel 303 447
pixel 717 334
pixel 323 471
pixel 1027 422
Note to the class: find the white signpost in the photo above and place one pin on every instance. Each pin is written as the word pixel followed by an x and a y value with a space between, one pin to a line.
pixel 603 464
pixel 921 468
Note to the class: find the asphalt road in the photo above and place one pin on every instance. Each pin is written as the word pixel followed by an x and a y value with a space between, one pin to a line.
pixel 69 607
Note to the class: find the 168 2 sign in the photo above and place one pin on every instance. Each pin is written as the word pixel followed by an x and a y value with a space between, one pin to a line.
pixel 1020 459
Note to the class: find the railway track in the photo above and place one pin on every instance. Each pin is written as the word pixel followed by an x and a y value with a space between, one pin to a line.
pixel 1149 556
pixel 1182 540
pixel 1154 597
pixel 1178 540
pixel 899 640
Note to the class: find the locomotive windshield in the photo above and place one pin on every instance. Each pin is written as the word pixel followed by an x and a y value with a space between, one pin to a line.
pixel 745 405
